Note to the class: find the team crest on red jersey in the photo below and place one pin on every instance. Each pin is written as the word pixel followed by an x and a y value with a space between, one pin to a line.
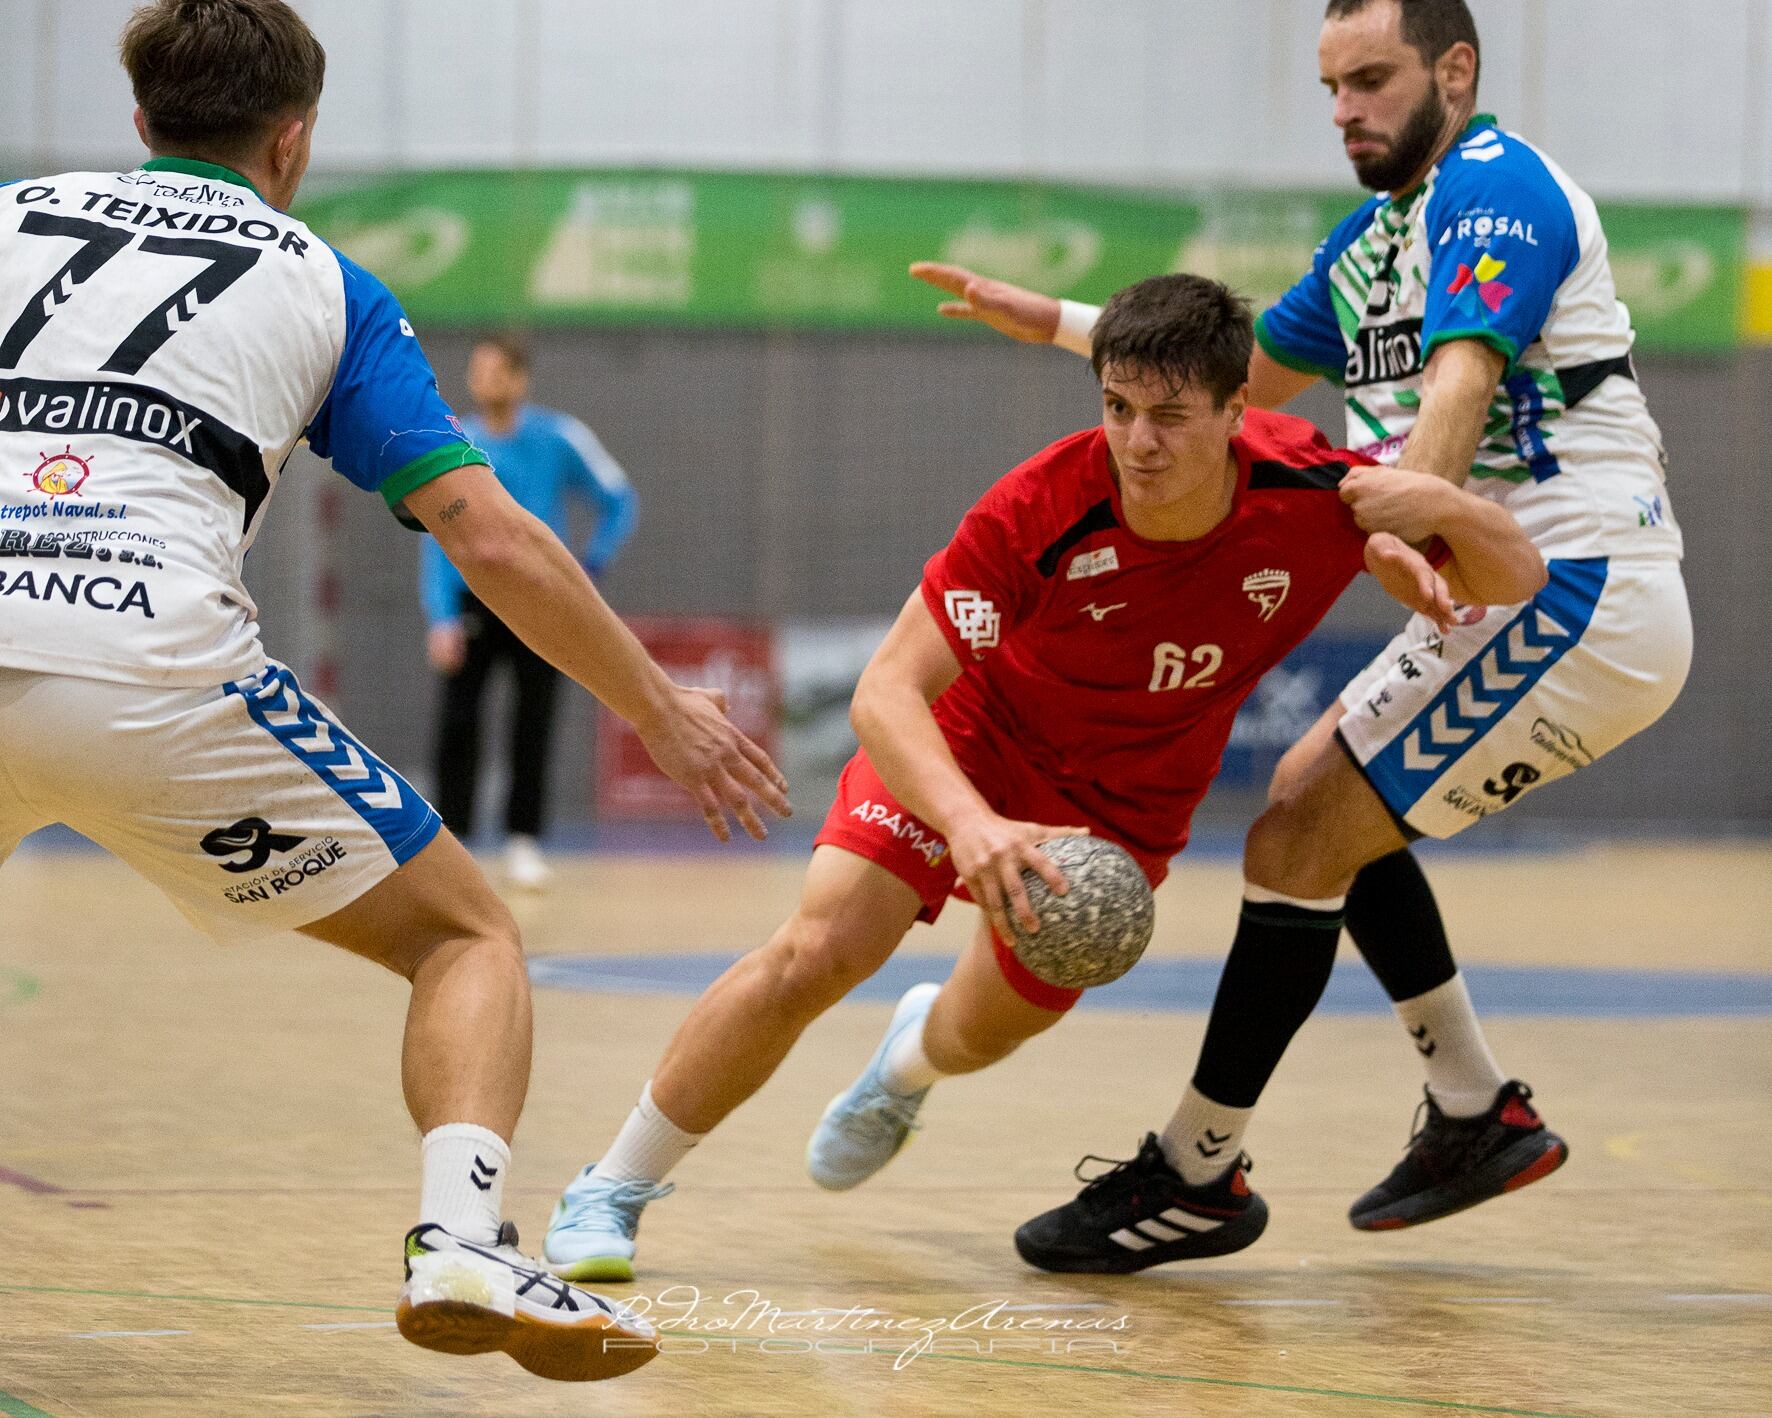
pixel 976 618
pixel 1268 590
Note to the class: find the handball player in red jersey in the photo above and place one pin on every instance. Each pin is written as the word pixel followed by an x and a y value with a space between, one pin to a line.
pixel 1071 662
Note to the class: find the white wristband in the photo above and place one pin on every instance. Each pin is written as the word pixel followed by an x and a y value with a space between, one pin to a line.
pixel 1075 322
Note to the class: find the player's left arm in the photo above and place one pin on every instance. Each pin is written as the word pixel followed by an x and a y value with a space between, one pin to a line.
pixel 1502 239
pixel 1489 559
pixel 604 483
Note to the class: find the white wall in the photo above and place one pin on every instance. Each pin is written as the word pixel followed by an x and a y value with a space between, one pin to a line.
pixel 1634 97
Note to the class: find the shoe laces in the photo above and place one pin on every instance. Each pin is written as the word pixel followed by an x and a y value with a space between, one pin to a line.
pixel 1122 1175
pixel 1432 1121
pixel 880 1113
pixel 627 1197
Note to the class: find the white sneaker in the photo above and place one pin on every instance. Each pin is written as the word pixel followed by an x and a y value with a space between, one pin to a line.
pixel 525 867
pixel 463 1298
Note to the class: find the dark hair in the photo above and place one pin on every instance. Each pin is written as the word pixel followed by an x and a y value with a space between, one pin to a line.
pixel 215 74
pixel 1430 27
pixel 1187 329
pixel 512 347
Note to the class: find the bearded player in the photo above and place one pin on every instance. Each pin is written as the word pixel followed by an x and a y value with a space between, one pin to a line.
pixel 1075 656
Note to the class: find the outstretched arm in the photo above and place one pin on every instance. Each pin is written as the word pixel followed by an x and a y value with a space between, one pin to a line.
pixel 1038 319
pixel 891 715
pixel 519 569
pixel 1493 562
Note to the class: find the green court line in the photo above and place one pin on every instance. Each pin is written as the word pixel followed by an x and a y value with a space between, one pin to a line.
pixel 1197 1379
pixel 22 987
pixel 191 1299
pixel 24 1410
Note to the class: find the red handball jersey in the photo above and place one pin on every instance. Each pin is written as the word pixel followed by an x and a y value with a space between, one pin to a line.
pixel 1112 666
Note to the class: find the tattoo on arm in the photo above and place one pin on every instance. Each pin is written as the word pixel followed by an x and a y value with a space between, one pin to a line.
pixel 453 510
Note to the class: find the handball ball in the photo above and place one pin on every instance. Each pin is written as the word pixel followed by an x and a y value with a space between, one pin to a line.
pixel 1097 930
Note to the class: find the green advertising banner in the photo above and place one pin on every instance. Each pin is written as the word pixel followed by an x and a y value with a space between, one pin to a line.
pixel 773 249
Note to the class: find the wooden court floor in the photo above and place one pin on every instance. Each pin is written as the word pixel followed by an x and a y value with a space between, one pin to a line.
pixel 205 1174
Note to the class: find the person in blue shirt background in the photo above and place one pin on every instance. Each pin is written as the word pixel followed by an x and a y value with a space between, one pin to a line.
pixel 545 459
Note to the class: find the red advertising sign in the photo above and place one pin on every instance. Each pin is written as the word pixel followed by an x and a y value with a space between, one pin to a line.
pixel 735 657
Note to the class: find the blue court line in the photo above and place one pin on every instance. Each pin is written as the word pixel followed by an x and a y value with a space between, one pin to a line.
pixel 1214 841
pixel 1175 986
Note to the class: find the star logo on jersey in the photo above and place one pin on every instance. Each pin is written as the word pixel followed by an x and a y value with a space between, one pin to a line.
pixel 1480 285
pixel 1268 590
pixel 1101 613
pixel 975 617
pixel 60 474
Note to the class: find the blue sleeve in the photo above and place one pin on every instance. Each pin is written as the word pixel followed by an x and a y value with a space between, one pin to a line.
pixel 593 473
pixel 1302 329
pixel 440 587
pixel 1503 240
pixel 383 424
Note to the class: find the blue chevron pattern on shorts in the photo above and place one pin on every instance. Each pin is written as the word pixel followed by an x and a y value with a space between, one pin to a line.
pixel 403 820
pixel 1483 693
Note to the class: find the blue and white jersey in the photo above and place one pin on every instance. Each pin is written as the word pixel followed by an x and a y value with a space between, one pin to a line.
pixel 166 338
pixel 1497 245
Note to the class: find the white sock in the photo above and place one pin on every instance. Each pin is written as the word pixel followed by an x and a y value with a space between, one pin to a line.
pixel 1461 1072
pixel 1204 1138
pixel 648 1145
pixel 464 1181
pixel 906 1068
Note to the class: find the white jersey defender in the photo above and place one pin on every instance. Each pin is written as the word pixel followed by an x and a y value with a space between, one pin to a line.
pixel 166 339
pixel 1497 244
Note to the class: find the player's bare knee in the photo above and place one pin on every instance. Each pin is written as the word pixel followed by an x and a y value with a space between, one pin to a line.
pixel 1291 849
pixel 806 968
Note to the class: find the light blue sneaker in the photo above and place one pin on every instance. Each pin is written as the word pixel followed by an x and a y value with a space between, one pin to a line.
pixel 865 1125
pixel 591 1233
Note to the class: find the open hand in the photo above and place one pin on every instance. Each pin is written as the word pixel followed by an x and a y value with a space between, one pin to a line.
pixel 1012 310
pixel 990 854
pixel 699 748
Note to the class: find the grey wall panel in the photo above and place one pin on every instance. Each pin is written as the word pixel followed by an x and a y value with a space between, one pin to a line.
pixel 785 475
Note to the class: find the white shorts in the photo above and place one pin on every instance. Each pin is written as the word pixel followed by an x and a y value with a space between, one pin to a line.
pixel 249 805
pixel 1451 728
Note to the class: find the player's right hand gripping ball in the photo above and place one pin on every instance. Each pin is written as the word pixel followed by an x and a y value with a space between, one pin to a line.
pixel 1097 930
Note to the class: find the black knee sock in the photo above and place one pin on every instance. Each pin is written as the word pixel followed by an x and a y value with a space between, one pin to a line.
pixel 1395 922
pixel 1272 980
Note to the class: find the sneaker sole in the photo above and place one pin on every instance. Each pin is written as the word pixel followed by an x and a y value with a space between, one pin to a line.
pixel 1232 1236
pixel 594 1268
pixel 1531 1159
pixel 594 1348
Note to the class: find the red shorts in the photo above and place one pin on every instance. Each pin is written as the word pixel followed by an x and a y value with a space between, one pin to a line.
pixel 867 820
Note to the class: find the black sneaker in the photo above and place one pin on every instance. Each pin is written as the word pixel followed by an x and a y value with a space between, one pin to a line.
pixel 1141 1213
pixel 1453 1163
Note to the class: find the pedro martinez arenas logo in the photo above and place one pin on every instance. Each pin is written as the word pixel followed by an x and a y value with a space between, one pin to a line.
pixel 745 1323
pixel 247 846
